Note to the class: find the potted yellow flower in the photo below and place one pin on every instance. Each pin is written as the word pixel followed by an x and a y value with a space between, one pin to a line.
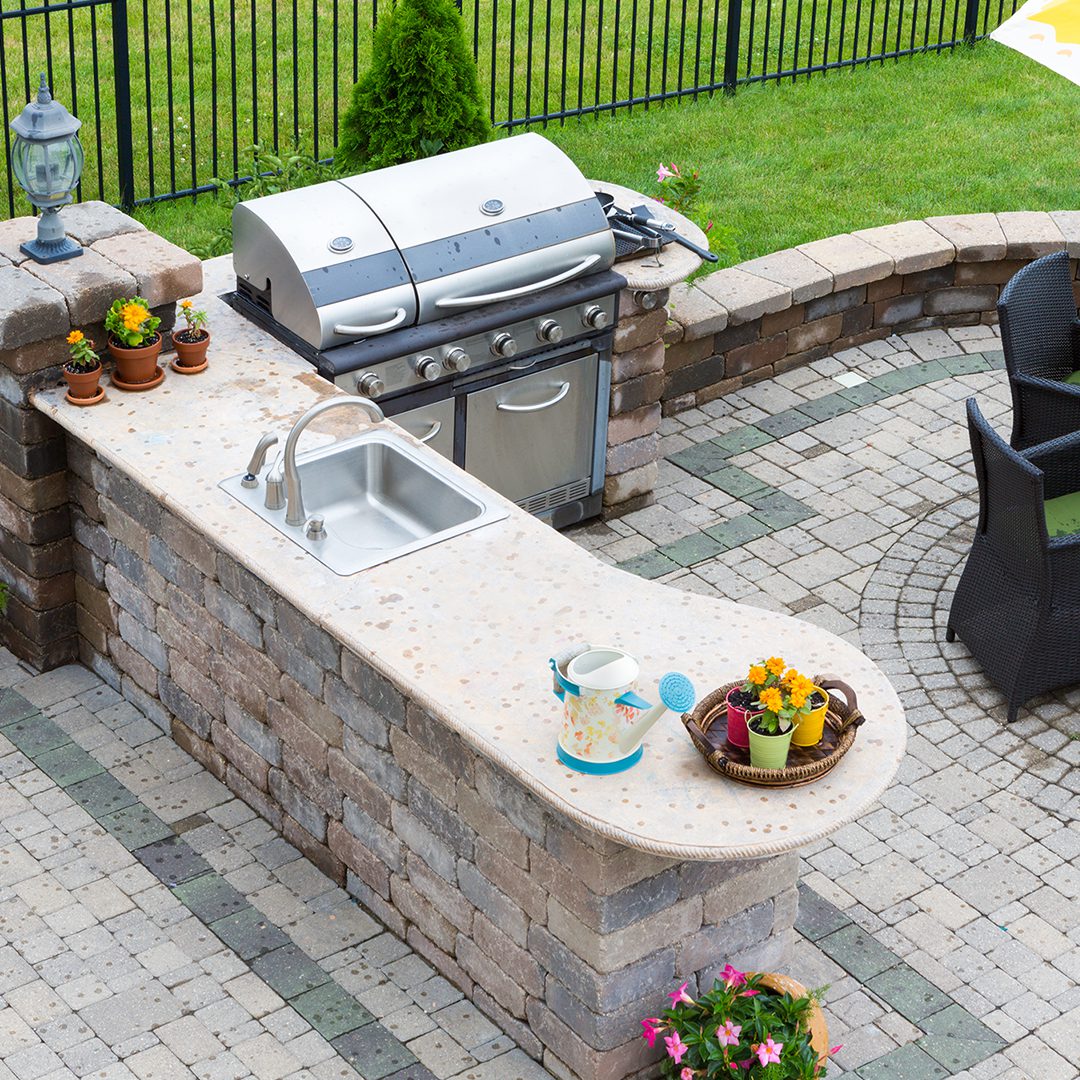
pixel 192 342
pixel 134 343
pixel 811 703
pixel 784 703
pixel 82 372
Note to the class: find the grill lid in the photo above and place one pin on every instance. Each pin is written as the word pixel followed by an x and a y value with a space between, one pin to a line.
pixel 345 260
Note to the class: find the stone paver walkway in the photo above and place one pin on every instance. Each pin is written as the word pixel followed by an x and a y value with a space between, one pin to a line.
pixel 151 926
pixel 844 493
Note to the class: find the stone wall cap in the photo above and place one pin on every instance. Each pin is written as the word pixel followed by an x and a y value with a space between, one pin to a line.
pixel 851 261
pixel 1029 234
pixel 31 311
pixel 89 284
pixel 13 232
pixel 976 237
pixel 806 278
pixel 696 311
pixel 746 296
pixel 91 221
pixel 912 245
pixel 1068 221
pixel 164 272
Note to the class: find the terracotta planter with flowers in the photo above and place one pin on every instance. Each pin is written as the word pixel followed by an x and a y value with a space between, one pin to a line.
pixel 82 372
pixel 191 342
pixel 134 344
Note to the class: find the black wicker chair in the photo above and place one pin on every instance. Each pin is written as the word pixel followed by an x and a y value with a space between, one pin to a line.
pixel 1017 607
pixel 1040 334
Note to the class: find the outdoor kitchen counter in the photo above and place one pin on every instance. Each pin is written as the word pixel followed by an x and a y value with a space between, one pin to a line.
pixel 466 628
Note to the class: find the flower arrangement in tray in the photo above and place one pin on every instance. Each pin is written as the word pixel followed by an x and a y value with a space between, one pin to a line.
pixel 773 707
pixel 761 1027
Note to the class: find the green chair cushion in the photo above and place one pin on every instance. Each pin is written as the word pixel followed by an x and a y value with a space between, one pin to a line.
pixel 1074 378
pixel 1063 514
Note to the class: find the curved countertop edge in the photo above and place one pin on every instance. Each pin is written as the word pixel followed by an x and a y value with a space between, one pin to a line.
pixel 81 424
pixel 674 263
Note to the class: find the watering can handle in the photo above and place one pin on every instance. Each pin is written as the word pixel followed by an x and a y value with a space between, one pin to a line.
pixel 562 684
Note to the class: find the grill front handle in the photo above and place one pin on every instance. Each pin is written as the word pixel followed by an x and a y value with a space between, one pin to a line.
pixel 502 406
pixel 395 320
pixel 522 290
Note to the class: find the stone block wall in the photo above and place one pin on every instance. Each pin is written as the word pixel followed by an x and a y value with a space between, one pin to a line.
pixel 565 939
pixel 743 324
pixel 38 306
pixel 637 383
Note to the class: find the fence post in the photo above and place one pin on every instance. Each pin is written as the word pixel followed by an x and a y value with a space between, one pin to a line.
pixel 731 45
pixel 971 22
pixel 125 160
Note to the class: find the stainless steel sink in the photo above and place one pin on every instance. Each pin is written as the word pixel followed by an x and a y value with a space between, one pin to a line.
pixel 378 498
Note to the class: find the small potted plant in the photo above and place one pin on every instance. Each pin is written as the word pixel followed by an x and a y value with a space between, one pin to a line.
pixel 742 701
pixel 82 372
pixel 192 342
pixel 812 704
pixel 762 1027
pixel 134 343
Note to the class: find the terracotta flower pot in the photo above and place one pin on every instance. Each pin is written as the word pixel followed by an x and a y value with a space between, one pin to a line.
pixel 811 725
pixel 191 353
pixel 82 384
pixel 816 1026
pixel 736 721
pixel 138 365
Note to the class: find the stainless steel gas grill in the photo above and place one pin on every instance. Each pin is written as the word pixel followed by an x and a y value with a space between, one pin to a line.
pixel 471 295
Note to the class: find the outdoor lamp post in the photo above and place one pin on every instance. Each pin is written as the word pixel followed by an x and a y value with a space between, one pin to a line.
pixel 47 160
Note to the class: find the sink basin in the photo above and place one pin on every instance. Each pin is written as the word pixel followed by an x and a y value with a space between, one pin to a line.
pixel 379 498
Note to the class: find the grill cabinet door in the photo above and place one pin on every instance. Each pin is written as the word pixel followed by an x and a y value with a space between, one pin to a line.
pixel 532 434
pixel 432 424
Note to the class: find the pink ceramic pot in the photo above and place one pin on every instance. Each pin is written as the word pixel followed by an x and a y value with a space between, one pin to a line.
pixel 737 716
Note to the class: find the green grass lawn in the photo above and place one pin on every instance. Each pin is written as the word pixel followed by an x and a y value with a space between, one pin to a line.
pixel 976 129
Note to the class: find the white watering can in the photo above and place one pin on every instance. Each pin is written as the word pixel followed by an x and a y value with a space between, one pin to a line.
pixel 604 719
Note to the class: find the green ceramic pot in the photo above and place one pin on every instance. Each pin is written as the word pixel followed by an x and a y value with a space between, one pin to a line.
pixel 769 751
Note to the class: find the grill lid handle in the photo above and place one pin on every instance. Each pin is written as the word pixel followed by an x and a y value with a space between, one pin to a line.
pixel 396 319
pixel 523 290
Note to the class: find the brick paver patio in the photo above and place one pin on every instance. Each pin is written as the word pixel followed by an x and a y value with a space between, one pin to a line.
pixel 151 926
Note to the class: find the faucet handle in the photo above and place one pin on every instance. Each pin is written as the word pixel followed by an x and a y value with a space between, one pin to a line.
pixel 251 477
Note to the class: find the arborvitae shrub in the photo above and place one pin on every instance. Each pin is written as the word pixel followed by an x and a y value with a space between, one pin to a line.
pixel 421 94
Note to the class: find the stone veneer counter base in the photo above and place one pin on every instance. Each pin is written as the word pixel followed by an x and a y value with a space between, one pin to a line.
pixel 398 725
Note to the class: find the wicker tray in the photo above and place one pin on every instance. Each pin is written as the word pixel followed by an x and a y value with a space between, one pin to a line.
pixel 707 726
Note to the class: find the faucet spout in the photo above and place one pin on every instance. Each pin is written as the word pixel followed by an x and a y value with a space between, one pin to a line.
pixel 294 498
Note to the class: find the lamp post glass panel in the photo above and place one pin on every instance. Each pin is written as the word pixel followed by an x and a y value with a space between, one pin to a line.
pixel 47 160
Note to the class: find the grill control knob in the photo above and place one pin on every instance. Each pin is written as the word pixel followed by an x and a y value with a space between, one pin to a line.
pixel 369 384
pixel 549 330
pixel 594 316
pixel 427 367
pixel 457 360
pixel 503 345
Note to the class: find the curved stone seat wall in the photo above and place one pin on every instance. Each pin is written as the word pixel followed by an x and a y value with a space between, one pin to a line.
pixel 766 316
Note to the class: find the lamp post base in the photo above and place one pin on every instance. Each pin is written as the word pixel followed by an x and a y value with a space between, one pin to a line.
pixel 50 251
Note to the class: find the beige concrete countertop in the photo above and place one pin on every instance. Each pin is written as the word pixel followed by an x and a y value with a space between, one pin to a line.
pixel 467 627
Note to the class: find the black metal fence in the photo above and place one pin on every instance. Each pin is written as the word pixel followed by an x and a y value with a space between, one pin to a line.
pixel 173 92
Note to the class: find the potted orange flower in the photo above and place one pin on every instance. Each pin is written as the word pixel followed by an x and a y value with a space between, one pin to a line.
pixel 743 701
pixel 811 703
pixel 134 343
pixel 82 371
pixel 192 342
pixel 784 703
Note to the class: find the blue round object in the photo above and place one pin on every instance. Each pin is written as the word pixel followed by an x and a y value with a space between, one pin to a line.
pixel 597 768
pixel 677 692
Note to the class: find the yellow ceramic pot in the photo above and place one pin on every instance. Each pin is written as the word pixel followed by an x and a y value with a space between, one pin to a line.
pixel 809 729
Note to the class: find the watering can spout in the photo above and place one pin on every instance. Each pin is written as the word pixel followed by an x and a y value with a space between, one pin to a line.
pixel 676 694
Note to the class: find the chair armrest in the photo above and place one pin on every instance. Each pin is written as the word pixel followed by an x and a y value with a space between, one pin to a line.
pixel 1076 343
pixel 1046 409
pixel 1059 461
pixel 1064 553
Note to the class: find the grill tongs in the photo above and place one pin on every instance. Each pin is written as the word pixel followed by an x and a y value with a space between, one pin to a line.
pixel 639 218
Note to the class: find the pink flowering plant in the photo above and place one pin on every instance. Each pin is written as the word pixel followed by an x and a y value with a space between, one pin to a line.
pixel 739 1028
pixel 681 188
